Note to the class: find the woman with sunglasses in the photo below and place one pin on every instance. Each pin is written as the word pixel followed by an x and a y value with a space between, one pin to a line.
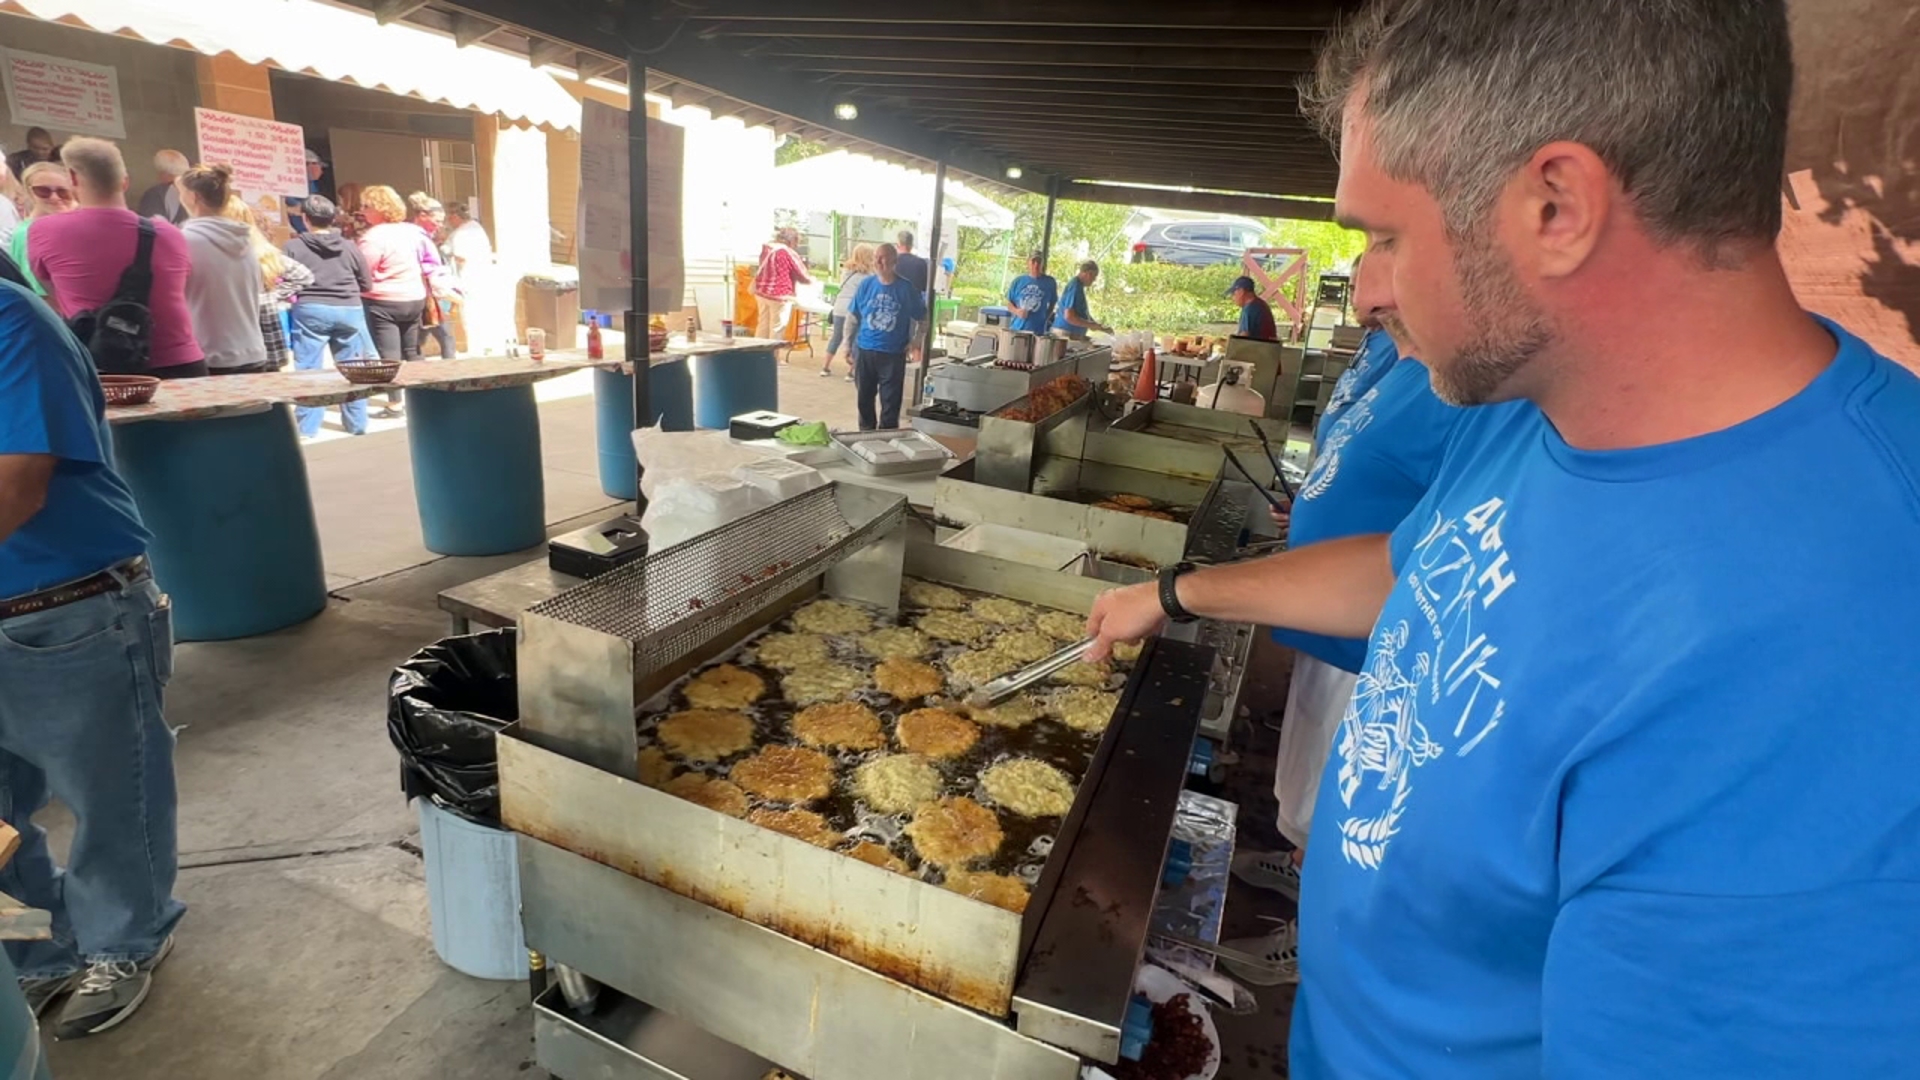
pixel 51 190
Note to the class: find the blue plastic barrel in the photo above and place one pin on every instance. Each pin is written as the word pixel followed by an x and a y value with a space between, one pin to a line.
pixel 670 390
pixel 473 894
pixel 476 469
pixel 729 383
pixel 227 501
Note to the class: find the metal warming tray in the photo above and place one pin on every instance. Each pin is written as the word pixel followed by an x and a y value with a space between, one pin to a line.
pixel 975 384
pixel 936 457
pixel 1185 440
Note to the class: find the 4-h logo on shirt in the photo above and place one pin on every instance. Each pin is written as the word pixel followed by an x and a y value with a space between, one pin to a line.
pixel 1441 677
pixel 1326 464
pixel 1033 298
pixel 883 312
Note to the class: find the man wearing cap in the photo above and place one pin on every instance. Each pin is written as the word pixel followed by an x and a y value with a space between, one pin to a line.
pixel 315 169
pixel 1256 316
pixel 1032 297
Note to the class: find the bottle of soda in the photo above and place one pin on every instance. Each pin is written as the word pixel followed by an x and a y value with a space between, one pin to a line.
pixel 596 349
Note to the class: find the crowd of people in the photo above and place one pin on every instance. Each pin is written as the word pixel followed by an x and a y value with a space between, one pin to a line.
pixel 368 275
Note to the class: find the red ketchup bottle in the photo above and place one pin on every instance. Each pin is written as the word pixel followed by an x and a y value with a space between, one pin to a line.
pixel 596 349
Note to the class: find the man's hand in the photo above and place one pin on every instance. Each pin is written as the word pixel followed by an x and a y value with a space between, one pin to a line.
pixel 1124 614
pixel 1282 519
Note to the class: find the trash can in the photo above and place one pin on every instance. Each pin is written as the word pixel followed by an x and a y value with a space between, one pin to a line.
pixel 550 300
pixel 444 706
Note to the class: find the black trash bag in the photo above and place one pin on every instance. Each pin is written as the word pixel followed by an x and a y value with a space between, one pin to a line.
pixel 443 707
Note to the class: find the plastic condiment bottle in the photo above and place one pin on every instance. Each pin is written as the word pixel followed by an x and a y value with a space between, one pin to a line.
pixel 596 348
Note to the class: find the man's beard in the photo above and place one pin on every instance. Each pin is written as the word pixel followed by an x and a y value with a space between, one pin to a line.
pixel 1508 330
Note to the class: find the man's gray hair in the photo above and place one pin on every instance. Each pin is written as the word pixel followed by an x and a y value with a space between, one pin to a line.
pixel 1684 100
pixel 171 163
pixel 98 163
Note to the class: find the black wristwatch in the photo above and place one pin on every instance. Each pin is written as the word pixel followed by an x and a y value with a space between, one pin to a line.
pixel 1170 596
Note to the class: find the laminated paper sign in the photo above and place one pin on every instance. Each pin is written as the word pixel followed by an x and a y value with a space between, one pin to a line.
pixel 268 158
pixel 605 227
pixel 62 95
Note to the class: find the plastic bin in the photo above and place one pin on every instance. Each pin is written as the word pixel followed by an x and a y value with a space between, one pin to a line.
pixel 473 894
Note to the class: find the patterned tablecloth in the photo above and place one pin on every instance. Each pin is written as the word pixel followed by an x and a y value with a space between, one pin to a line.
pixel 228 395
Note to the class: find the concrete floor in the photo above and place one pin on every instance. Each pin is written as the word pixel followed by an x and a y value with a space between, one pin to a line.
pixel 306 952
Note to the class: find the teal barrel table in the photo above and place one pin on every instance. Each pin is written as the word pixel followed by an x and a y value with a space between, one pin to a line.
pixel 669 389
pixel 740 378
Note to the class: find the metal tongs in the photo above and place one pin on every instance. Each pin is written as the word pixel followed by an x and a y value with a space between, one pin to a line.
pixel 1272 499
pixel 1279 474
pixel 1006 686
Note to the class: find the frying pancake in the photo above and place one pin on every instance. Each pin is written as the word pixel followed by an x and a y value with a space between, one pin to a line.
pixel 717 795
pixel 1156 515
pixel 809 683
pixel 1133 502
pixel 799 824
pixel 725 687
pixel 832 617
pixel 874 855
pixel 789 651
pixel 655 767
pixel 930 595
pixel 1000 890
pixel 953 831
pixel 845 725
pixel 1082 673
pixel 896 783
pixel 1085 709
pixel 1029 788
pixel 1127 651
pixel 1025 646
pixel 952 626
pixel 897 641
pixel 1062 626
pixel 999 609
pixel 908 679
pixel 979 667
pixel 1018 711
pixel 936 733
pixel 1109 504
pixel 786 773
pixel 706 734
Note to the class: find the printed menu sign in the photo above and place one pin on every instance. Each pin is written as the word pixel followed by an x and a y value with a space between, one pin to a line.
pixel 268 158
pixel 67 96
pixel 605 220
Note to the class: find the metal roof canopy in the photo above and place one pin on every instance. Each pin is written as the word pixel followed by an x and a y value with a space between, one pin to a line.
pixel 1187 106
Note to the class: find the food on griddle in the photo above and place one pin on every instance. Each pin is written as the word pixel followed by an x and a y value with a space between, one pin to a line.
pixel 725 687
pixel 1155 515
pixel 1062 625
pixel 896 783
pixel 1026 646
pixel 706 734
pixel 1046 399
pixel 1000 890
pixel 979 667
pixel 875 855
pixel 786 773
pixel 717 795
pixel 1029 788
pixel 789 651
pixel 897 641
pixel 954 831
pixel 843 725
pixel 1133 502
pixel 1083 673
pixel 996 609
pixel 930 595
pixel 655 767
pixel 1179 1048
pixel 952 626
pixel 799 824
pixel 908 679
pixel 1127 651
pixel 809 683
pixel 1015 712
pixel 1085 709
pixel 936 733
pixel 1108 504
pixel 831 617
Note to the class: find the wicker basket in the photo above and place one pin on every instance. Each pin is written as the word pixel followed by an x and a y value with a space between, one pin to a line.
pixel 128 389
pixel 369 372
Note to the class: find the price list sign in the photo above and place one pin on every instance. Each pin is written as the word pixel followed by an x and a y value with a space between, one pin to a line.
pixel 68 96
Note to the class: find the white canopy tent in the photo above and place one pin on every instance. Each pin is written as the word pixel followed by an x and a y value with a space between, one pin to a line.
pixel 856 185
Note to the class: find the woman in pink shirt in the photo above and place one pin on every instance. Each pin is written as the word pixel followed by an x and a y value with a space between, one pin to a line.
pixel 400 264
pixel 781 271
pixel 80 256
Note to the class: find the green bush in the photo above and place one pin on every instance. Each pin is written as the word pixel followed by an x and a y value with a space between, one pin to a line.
pixel 1163 297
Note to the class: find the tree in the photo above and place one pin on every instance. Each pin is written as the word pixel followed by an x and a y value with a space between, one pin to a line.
pixel 793 148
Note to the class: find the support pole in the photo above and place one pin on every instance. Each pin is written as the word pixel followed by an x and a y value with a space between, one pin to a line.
pixel 1046 232
pixel 933 271
pixel 638 319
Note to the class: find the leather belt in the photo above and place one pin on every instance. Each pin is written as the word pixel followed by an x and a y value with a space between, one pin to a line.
pixel 112 579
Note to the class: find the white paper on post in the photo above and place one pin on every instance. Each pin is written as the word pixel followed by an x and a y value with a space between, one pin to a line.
pixel 606 223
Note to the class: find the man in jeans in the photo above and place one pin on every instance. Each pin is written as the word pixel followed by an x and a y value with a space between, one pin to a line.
pixel 886 306
pixel 85 653
pixel 328 313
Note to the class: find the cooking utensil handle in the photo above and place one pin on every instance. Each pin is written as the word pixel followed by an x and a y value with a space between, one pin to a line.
pixel 1279 474
pixel 1272 500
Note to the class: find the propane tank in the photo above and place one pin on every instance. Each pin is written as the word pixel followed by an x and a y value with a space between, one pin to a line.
pixel 1228 395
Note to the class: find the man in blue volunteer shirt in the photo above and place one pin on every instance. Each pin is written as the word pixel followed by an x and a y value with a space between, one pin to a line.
pixel 1073 319
pixel 1256 315
pixel 1031 297
pixel 85 653
pixel 1625 788
pixel 886 306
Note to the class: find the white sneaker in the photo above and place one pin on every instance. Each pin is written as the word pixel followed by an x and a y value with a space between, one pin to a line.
pixel 1279 951
pixel 1268 870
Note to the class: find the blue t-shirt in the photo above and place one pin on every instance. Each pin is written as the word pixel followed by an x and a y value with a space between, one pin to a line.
pixel 1038 295
pixel 1074 299
pixel 886 314
pixel 1371 362
pixel 50 403
pixel 1371 470
pixel 1626 788
pixel 1256 321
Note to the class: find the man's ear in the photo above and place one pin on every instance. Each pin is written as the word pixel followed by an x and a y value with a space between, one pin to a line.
pixel 1565 197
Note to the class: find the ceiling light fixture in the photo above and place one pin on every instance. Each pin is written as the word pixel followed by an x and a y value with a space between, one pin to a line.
pixel 1014 172
pixel 847 110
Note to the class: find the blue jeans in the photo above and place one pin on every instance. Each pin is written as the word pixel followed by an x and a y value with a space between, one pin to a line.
pixel 883 375
pixel 80 717
pixel 315 328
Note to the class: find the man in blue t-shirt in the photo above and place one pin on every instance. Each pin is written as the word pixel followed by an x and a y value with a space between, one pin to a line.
pixel 1625 787
pixel 885 306
pixel 85 652
pixel 1032 296
pixel 1073 319
pixel 1256 315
